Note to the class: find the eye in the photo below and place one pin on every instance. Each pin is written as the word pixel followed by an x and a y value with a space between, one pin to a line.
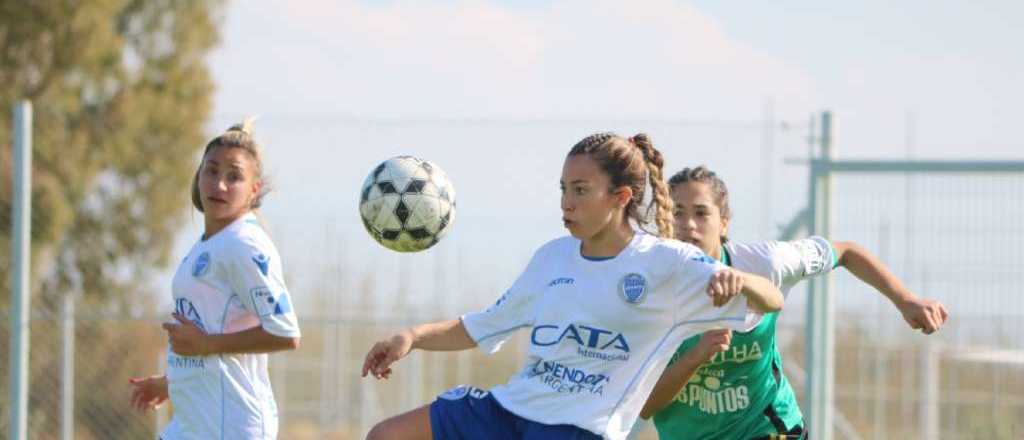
pixel 579 190
pixel 235 176
pixel 210 171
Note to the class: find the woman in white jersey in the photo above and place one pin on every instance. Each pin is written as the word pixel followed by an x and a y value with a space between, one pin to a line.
pixel 231 307
pixel 605 308
pixel 731 386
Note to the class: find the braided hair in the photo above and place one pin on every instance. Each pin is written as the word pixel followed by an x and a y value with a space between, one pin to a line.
pixel 633 162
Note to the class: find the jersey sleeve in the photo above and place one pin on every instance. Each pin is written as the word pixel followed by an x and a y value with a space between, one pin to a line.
pixel 695 306
pixel 796 260
pixel 491 327
pixel 256 277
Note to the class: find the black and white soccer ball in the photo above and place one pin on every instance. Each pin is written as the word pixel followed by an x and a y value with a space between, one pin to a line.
pixel 407 204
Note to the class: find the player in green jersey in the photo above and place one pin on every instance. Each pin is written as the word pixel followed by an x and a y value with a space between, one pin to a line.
pixel 724 385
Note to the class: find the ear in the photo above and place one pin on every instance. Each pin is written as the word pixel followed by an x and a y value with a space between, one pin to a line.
pixel 623 195
pixel 257 184
pixel 725 226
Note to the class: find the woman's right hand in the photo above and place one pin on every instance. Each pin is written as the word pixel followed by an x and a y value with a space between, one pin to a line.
pixel 149 392
pixel 384 353
pixel 713 342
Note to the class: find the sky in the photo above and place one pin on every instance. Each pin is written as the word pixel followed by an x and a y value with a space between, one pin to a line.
pixel 496 92
pixel 951 65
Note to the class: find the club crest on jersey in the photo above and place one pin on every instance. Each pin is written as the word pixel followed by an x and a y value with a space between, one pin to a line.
pixel 633 288
pixel 262 262
pixel 202 265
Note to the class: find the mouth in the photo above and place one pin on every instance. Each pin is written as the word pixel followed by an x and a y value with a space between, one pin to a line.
pixel 568 223
pixel 216 200
pixel 691 240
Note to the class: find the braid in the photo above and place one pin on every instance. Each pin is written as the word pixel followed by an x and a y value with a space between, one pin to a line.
pixel 590 142
pixel 660 199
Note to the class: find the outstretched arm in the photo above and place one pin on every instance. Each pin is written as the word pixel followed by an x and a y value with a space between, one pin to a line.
pixel 448 335
pixel 924 314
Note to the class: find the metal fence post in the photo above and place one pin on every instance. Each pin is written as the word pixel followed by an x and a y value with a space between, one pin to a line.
pixel 67 367
pixel 820 307
pixel 21 224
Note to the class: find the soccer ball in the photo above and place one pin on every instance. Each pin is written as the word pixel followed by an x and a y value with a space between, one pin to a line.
pixel 407 204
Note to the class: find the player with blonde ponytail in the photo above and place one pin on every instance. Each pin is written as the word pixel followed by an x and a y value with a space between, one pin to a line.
pixel 231 307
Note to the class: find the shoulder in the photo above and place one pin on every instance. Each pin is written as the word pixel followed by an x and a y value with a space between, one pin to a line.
pixel 558 247
pixel 667 247
pixel 669 256
pixel 248 240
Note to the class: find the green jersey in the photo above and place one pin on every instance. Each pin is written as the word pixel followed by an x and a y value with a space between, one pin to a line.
pixel 741 393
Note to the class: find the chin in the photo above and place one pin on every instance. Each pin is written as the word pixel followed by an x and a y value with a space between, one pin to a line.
pixel 220 214
pixel 575 233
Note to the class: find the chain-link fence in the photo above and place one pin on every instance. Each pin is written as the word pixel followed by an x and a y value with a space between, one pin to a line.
pixel 955 237
pixel 957 240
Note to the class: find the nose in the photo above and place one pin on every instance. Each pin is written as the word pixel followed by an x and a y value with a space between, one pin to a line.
pixel 567 205
pixel 687 223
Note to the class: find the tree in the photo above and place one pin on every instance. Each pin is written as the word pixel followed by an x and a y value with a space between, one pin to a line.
pixel 120 90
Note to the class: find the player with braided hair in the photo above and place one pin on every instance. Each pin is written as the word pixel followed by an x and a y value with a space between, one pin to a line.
pixel 605 308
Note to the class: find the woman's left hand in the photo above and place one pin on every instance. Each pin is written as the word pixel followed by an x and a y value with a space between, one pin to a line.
pixel 926 315
pixel 186 338
pixel 724 285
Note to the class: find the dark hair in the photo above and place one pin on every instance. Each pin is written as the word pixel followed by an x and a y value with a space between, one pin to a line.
pixel 719 192
pixel 237 136
pixel 632 162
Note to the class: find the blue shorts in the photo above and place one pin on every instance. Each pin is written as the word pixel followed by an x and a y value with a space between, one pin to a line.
pixel 467 413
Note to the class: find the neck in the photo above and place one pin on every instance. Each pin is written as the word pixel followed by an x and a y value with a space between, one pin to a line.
pixel 213 226
pixel 714 251
pixel 609 242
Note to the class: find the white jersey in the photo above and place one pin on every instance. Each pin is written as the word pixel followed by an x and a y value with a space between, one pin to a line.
pixel 785 263
pixel 228 283
pixel 601 332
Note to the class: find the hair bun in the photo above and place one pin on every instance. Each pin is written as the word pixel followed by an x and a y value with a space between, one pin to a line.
pixel 245 126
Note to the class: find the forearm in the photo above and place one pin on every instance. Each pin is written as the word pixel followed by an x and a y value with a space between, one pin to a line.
pixel 672 381
pixel 253 340
pixel 762 295
pixel 869 269
pixel 448 335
